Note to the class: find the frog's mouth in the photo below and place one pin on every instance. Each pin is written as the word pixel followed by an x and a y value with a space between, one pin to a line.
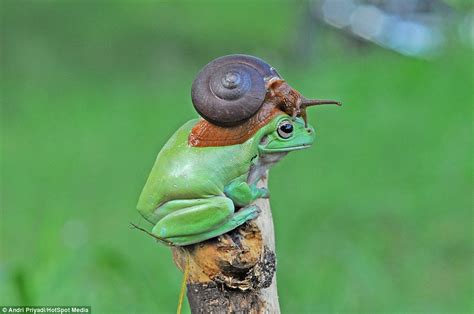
pixel 284 149
pixel 271 146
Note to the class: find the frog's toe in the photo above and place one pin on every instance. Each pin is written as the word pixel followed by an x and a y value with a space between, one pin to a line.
pixel 247 213
pixel 265 193
pixel 255 212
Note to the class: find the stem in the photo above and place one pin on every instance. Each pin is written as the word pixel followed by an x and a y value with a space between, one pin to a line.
pixel 234 272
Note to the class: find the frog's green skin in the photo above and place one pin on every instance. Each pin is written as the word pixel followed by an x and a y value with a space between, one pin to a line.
pixel 192 193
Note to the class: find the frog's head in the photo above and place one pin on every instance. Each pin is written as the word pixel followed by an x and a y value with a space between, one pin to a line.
pixel 285 134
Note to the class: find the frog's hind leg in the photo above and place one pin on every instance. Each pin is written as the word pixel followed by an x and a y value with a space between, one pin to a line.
pixel 181 218
pixel 243 215
pixel 184 222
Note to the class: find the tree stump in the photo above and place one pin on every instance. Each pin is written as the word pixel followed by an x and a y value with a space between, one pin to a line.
pixel 235 272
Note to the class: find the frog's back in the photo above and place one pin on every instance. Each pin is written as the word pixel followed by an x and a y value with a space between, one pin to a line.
pixel 185 172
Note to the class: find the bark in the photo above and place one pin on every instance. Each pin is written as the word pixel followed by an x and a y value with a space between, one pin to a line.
pixel 235 272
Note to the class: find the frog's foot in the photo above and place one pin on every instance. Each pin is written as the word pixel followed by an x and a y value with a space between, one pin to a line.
pixel 244 214
pixel 240 217
pixel 180 218
pixel 264 192
pixel 242 194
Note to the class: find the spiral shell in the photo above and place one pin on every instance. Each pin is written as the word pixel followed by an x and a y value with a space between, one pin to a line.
pixel 231 89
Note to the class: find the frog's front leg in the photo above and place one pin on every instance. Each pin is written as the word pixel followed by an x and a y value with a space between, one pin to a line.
pixel 242 194
pixel 186 222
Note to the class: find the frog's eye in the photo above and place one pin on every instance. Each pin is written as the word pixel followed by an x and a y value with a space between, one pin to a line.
pixel 285 129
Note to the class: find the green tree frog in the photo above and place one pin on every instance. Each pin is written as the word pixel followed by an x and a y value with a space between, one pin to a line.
pixel 197 193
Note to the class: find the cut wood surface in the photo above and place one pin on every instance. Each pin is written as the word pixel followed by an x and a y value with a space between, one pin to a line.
pixel 235 272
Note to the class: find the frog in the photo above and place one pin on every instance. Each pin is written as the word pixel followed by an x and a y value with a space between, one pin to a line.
pixel 194 194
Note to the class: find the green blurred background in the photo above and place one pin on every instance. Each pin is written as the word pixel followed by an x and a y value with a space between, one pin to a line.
pixel 376 217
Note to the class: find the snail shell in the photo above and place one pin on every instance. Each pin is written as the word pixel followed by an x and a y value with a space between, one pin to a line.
pixel 231 89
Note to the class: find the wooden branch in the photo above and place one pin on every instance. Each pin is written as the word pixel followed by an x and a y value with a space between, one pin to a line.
pixel 235 272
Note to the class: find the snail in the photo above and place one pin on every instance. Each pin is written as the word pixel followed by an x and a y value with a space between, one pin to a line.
pixel 236 95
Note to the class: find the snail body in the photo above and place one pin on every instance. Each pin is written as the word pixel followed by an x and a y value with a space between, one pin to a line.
pixel 238 94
